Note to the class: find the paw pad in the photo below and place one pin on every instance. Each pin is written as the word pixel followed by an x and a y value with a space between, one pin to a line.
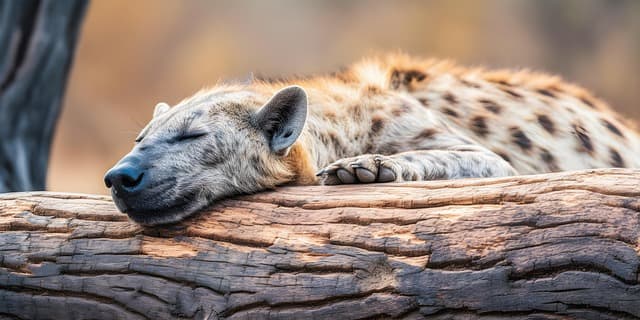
pixel 362 169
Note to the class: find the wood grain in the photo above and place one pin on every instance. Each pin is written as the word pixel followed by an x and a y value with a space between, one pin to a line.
pixel 552 246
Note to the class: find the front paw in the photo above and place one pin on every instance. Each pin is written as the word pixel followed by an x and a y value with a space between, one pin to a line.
pixel 367 168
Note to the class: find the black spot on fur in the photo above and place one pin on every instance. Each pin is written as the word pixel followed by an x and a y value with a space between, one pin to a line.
pixel 377 124
pixel 583 138
pixel 616 159
pixel 504 156
pixel 396 81
pixel 520 138
pixel 425 134
pixel 414 75
pixel 612 127
pixel 546 123
pixel 450 98
pixel 549 159
pixel 404 78
pixel 512 93
pixel 588 102
pixel 450 112
pixel 546 92
pixel 469 83
pixel 491 106
pixel 424 102
pixel 479 125
pixel 502 82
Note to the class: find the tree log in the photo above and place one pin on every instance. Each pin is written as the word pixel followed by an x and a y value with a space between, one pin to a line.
pixel 551 246
pixel 37 41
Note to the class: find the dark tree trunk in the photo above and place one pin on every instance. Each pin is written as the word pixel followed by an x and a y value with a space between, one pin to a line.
pixel 37 40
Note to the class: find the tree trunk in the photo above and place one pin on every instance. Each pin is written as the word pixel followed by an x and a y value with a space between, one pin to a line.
pixel 544 246
pixel 37 40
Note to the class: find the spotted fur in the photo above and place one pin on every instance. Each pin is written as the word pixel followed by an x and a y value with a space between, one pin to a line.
pixel 394 118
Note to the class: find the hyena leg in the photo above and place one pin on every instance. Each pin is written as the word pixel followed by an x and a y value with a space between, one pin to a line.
pixel 466 161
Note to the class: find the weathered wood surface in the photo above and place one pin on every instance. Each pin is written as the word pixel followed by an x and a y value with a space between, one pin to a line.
pixel 550 246
pixel 37 42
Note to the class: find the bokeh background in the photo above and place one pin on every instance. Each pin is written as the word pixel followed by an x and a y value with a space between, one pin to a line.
pixel 133 54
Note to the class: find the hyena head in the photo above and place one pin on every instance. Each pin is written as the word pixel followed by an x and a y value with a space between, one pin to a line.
pixel 211 146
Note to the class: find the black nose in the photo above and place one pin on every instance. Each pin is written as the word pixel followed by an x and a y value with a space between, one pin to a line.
pixel 125 177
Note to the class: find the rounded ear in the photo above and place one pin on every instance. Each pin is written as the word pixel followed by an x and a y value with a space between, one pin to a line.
pixel 160 108
pixel 282 118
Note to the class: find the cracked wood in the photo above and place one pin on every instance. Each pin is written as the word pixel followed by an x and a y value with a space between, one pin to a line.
pixel 545 246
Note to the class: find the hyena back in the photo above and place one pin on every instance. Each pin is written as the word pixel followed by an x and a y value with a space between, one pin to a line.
pixel 382 120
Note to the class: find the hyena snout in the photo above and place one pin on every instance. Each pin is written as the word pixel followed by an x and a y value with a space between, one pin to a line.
pixel 126 180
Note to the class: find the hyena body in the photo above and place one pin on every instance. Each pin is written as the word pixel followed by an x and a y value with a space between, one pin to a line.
pixel 382 120
pixel 441 121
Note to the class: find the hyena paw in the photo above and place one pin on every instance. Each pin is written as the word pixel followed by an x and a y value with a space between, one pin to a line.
pixel 368 168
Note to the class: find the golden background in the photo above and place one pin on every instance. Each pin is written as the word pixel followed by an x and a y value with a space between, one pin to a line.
pixel 133 54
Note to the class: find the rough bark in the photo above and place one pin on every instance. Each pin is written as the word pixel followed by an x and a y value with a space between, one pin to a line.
pixel 551 246
pixel 37 41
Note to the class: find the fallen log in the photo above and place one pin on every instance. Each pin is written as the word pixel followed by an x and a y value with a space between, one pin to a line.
pixel 546 246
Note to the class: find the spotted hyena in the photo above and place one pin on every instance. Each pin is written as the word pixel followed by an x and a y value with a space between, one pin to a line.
pixel 389 119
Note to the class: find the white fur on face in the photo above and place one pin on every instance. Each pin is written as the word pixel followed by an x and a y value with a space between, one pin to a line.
pixel 200 151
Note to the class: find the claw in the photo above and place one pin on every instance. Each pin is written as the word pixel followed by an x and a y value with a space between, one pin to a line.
pixel 321 172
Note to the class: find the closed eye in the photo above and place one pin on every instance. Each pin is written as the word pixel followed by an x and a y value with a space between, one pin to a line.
pixel 189 136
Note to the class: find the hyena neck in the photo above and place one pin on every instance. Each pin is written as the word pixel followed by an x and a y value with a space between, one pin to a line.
pixel 301 164
pixel 324 140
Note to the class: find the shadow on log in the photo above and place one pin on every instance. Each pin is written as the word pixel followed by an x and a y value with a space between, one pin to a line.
pixel 544 246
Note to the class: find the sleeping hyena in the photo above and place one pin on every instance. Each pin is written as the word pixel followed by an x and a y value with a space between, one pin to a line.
pixel 382 120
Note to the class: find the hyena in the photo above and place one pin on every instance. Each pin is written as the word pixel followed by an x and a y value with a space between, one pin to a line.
pixel 387 119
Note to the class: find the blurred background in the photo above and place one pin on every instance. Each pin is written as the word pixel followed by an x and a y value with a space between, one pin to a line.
pixel 133 54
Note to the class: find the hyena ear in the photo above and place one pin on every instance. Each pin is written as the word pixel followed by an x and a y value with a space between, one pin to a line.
pixel 282 118
pixel 160 109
